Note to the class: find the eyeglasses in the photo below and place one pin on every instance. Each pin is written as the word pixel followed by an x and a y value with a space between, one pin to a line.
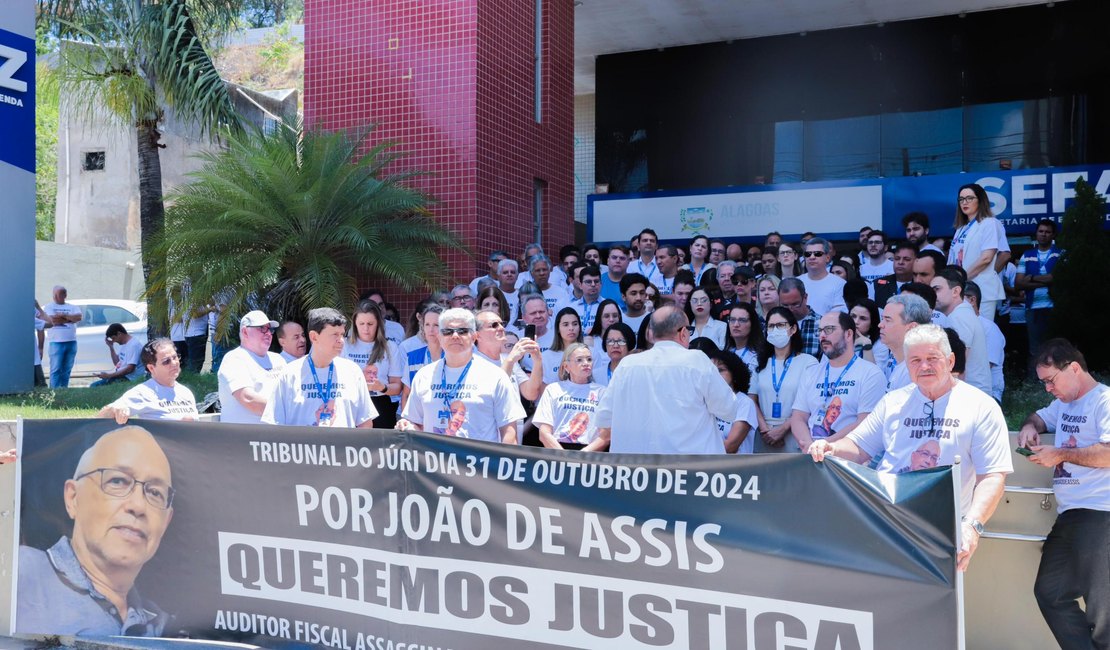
pixel 616 343
pixel 261 329
pixel 451 331
pixel 828 330
pixel 120 484
pixel 777 326
pixel 1051 381
pixel 592 282
pixel 169 360
pixel 717 251
pixel 740 321
pixel 689 329
pixel 787 252
pixel 928 407
pixel 814 253
pixel 460 298
pixel 967 199
pixel 495 325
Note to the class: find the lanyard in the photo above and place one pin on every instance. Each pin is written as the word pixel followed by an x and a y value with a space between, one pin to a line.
pixel 325 394
pixel 961 236
pixel 609 369
pixel 776 382
pixel 663 288
pixel 450 391
pixel 830 389
pixel 698 274
pixel 640 265
pixel 587 316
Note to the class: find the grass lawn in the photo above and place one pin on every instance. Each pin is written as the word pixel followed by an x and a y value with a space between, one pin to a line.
pixel 85 402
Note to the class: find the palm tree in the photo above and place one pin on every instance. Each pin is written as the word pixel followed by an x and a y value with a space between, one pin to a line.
pixel 134 58
pixel 288 219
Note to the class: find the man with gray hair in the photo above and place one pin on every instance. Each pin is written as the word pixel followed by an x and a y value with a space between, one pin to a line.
pixel 664 400
pixel 530 250
pixel 462 296
pixel 508 271
pixel 825 290
pixel 928 424
pixel 63 318
pixel 539 266
pixel 902 313
pixel 495 258
pixel 456 396
pixel 247 373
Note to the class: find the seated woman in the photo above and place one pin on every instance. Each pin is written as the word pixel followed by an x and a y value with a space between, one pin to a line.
pixel 565 413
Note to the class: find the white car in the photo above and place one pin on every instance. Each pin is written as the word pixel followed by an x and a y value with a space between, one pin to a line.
pixel 96 316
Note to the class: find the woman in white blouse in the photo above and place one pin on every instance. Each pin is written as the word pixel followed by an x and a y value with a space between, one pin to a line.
pixel 979 239
pixel 780 369
pixel 699 309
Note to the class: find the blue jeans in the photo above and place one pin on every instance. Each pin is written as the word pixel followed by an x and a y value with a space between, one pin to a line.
pixel 1075 563
pixel 62 356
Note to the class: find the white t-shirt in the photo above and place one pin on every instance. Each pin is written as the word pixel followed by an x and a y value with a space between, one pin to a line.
pixel 394 332
pixel 940 320
pixel 556 297
pixel 714 330
pixel 869 273
pixel 853 389
pixel 789 376
pixel 288 357
pixel 477 409
pixel 751 359
pixel 826 294
pixel 634 322
pixel 568 408
pixel 131 353
pixel 297 397
pixel 977 371
pixel 1078 424
pixel 513 299
pixel 899 377
pixel 587 311
pixel 388 366
pixel 197 326
pixel 996 356
pixel 40 325
pixel 990 233
pixel 63 332
pixel 244 369
pixel 552 359
pixel 964 421
pixel 649 270
pixel 518 375
pixel 745 412
pixel 153 401
pixel 545 341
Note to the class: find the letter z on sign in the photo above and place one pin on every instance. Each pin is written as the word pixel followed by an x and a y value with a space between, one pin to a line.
pixel 13 60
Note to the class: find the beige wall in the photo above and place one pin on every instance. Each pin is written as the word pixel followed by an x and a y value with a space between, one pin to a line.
pixel 87 271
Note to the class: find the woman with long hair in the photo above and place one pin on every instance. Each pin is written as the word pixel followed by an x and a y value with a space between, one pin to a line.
pixel 766 296
pixel 787 264
pixel 737 434
pixel 699 253
pixel 778 375
pixel 568 329
pixel 865 313
pixel 379 359
pixel 492 298
pixel 421 350
pixel 608 313
pixel 745 335
pixel 699 309
pixel 620 341
pixel 979 240
pixel 565 412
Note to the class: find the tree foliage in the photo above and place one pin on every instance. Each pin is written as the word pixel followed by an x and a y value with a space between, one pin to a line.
pixel 1082 299
pixel 288 220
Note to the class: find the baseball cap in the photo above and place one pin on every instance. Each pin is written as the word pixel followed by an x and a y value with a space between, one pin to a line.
pixel 257 318
pixel 745 272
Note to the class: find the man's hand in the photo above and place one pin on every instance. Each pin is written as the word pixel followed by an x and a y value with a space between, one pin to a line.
pixel 1046 455
pixel 969 541
pixel 819 449
pixel 776 436
pixel 524 347
pixel 1028 437
pixel 119 413
pixel 9 456
pixel 405 425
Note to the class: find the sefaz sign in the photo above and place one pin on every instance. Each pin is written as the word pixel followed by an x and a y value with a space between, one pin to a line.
pixel 13 61
pixel 378 540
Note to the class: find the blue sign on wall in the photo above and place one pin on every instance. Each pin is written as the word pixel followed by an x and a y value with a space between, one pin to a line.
pixel 17 100
pixel 838 208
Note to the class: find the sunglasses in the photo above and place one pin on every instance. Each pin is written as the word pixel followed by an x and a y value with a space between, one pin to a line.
pixel 451 331
pixel 814 254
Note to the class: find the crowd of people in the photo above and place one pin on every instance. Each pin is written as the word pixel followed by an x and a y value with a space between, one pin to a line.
pixel 890 355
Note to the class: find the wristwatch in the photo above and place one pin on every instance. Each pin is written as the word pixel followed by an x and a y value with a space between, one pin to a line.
pixel 975 524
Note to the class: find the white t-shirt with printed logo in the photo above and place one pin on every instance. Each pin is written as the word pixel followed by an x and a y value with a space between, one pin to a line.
pixel 153 401
pixel 965 421
pixel 1081 423
pixel 858 391
pixel 130 353
pixel 568 408
pixel 487 401
pixel 296 398
pixel 388 366
pixel 61 332
pixel 826 294
pixel 869 273
pixel 244 369
pixel 745 412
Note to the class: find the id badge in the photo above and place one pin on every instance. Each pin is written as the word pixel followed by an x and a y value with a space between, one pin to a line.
pixel 443 416
pixel 776 410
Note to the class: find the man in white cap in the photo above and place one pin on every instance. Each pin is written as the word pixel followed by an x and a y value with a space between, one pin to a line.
pixel 247 373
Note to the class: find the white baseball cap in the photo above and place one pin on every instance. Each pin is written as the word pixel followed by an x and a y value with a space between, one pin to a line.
pixel 257 318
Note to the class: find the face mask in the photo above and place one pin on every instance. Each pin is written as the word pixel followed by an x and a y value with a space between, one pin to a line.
pixel 778 338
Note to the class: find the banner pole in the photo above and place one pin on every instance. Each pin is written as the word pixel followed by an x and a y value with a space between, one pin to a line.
pixel 956 485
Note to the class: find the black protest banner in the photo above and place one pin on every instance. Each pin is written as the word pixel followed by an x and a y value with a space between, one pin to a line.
pixel 384 540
